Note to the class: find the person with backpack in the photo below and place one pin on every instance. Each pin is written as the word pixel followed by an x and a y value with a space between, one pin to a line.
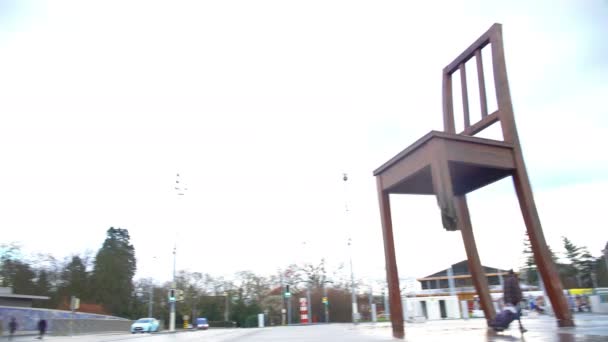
pixel 512 296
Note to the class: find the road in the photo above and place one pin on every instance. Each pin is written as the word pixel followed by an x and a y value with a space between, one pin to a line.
pixel 589 328
pixel 332 332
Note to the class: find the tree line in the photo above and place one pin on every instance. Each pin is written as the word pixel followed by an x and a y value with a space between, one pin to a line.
pixel 105 284
pixel 576 266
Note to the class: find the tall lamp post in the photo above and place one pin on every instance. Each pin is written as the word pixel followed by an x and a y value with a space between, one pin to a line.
pixel 172 300
pixel 355 310
pixel 151 303
pixel 151 300
pixel 387 311
pixel 226 309
pixel 180 190
pixel 325 299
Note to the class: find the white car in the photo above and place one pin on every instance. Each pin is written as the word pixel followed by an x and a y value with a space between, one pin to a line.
pixel 143 325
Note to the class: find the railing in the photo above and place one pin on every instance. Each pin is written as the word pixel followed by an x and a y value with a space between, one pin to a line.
pixel 456 289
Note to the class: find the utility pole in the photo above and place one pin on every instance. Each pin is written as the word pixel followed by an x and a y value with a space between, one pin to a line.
pixel 325 303
pixel 151 300
pixel 180 192
pixel 288 295
pixel 309 304
pixel 355 313
pixel 451 283
pixel 372 305
pixel 226 312
pixel 283 310
pixel 353 295
pixel 172 313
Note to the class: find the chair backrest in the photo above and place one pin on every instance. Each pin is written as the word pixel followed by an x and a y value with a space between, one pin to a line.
pixel 504 113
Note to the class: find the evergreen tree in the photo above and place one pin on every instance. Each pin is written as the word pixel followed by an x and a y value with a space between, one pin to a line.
pixel 529 269
pixel 75 279
pixel 20 277
pixel 43 286
pixel 113 272
pixel 586 268
pixel 573 254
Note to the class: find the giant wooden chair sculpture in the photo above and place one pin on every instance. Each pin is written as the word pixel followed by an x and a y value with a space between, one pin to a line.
pixel 450 165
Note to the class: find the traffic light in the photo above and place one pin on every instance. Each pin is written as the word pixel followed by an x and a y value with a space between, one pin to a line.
pixel 172 295
pixel 287 293
pixel 180 295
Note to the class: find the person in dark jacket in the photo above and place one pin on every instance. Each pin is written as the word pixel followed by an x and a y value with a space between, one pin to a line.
pixel 41 328
pixel 512 296
pixel 12 327
pixel 511 290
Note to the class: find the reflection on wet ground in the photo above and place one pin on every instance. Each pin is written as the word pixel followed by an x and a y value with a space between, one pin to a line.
pixel 589 328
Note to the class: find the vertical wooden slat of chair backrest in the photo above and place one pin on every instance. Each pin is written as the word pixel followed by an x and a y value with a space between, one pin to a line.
pixel 465 95
pixel 482 85
pixel 448 105
pixel 501 83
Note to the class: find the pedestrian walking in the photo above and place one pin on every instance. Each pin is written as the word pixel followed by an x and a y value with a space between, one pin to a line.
pixel 511 290
pixel 41 328
pixel 512 297
pixel 12 327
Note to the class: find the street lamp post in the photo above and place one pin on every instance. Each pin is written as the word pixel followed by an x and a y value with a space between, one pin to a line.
pixel 308 304
pixel 289 311
pixel 325 304
pixel 355 310
pixel 172 302
pixel 151 303
pixel 180 192
pixel 353 295
pixel 283 310
pixel 226 312
pixel 325 299
pixel 151 300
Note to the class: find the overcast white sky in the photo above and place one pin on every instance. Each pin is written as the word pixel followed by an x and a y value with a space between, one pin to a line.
pixel 261 105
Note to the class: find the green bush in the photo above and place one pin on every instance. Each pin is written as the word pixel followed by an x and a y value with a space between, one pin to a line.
pixel 251 321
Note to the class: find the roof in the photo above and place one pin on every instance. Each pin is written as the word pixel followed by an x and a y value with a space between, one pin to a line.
pixel 16 296
pixel 462 268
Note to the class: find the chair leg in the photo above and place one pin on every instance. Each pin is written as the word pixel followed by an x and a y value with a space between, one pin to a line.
pixel 479 278
pixel 542 257
pixel 392 276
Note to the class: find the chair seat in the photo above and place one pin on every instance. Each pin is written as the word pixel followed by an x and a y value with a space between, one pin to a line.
pixel 472 162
